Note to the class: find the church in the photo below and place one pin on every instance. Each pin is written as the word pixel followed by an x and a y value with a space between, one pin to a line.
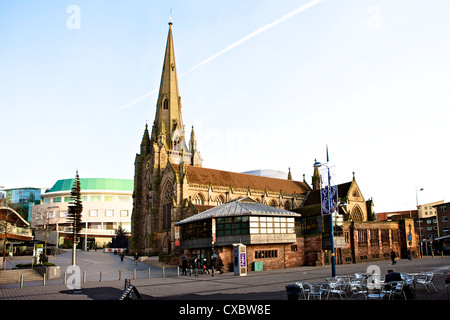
pixel 171 185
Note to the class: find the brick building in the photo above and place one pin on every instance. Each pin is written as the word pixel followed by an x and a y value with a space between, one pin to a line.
pixel 359 237
pixel 268 233
pixel 172 190
pixel 443 214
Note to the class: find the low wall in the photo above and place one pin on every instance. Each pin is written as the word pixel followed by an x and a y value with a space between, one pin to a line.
pixel 52 272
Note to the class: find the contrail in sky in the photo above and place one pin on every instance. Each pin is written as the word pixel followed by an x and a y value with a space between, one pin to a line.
pixel 254 33
pixel 214 56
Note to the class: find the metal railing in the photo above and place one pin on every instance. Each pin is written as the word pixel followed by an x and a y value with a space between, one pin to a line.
pixel 100 276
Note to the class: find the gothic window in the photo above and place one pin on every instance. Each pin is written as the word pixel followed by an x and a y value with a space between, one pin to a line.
pixel 219 200
pixel 167 208
pixel 198 199
pixel 356 214
pixel 287 205
pixel 165 104
pixel 167 205
pixel 273 203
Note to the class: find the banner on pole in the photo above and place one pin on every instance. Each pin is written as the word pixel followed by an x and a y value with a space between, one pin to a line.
pixel 328 191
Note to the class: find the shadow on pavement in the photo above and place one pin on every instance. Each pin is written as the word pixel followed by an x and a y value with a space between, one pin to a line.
pixel 103 293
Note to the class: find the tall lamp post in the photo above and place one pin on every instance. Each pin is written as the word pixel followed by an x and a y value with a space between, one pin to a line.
pixel 418 220
pixel 329 198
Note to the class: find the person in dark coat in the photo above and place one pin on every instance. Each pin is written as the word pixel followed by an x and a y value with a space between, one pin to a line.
pixel 184 266
pixel 220 265
pixel 393 255
pixel 392 276
pixel 205 267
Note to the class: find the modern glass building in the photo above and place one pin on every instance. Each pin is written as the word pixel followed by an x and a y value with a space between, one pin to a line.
pixel 107 205
pixel 21 200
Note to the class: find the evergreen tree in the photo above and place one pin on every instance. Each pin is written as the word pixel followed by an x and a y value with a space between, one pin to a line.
pixel 120 240
pixel 74 214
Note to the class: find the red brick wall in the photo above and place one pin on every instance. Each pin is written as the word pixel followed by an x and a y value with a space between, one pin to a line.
pixel 309 249
pixel 286 257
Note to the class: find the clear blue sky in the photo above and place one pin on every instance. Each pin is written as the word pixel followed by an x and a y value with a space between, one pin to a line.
pixel 266 85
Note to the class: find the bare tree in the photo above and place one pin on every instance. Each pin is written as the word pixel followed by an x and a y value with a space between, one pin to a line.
pixel 42 219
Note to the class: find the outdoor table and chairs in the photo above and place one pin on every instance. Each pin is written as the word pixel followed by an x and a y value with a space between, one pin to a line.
pixel 352 287
pixel 426 280
pixel 305 288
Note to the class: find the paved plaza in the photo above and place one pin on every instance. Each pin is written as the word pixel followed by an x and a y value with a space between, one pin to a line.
pixel 100 273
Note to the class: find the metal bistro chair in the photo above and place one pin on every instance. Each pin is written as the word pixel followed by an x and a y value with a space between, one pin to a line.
pixel 375 292
pixel 409 280
pixel 305 288
pixel 358 288
pixel 397 289
pixel 335 286
pixel 316 291
pixel 426 280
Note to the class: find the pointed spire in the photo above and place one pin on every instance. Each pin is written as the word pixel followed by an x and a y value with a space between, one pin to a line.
pixel 192 142
pixel 168 106
pixel 145 143
pixel 316 178
pixel 289 177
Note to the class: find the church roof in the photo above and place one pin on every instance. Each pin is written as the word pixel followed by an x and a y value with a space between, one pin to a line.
pixel 215 177
pixel 314 196
pixel 244 206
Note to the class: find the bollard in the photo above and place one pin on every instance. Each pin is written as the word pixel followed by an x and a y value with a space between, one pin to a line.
pixel 120 274
pixel 101 276
pixel 21 280
pixel 178 271
pixel 149 273
pixel 43 283
pixel 84 277
pixel 164 272
pixel 65 277
pixel 134 274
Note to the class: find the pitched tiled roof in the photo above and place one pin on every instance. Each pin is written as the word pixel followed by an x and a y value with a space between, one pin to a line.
pixel 314 196
pixel 206 176
pixel 244 206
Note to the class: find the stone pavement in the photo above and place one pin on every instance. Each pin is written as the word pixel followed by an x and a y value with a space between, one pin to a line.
pixel 261 285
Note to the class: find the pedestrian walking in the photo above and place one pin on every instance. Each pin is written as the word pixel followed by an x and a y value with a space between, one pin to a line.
pixel 194 266
pixel 213 265
pixel 183 266
pixel 122 256
pixel 393 255
pixel 205 267
pixel 136 258
pixel 220 265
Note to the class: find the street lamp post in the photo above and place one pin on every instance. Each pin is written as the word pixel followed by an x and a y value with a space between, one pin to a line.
pixel 418 220
pixel 330 209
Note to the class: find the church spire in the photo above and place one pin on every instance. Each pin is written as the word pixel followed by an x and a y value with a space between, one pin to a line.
pixel 145 144
pixel 316 178
pixel 168 106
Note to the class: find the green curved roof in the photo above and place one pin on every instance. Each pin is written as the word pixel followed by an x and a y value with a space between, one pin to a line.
pixel 94 184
